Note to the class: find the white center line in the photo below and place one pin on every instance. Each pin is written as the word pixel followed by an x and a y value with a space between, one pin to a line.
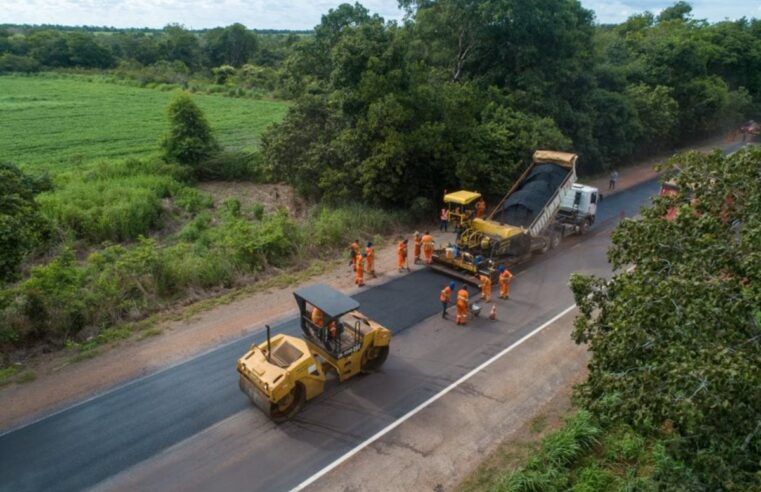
pixel 309 481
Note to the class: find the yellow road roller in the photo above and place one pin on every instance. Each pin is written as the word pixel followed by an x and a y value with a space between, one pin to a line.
pixel 281 374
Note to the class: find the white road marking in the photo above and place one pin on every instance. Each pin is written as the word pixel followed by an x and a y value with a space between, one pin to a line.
pixel 309 481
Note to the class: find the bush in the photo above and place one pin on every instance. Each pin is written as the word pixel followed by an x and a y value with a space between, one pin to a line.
pixel 189 141
pixel 191 200
pixel 232 166
pixel 118 201
pixel 22 228
pixel 334 227
pixel 10 63
pixel 115 209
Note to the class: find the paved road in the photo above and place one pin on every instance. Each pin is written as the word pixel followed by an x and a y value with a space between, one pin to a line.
pixel 101 437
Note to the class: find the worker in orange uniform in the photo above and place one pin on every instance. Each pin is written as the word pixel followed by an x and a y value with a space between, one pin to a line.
pixel 462 306
pixel 418 247
pixel 353 252
pixel 446 297
pixel 428 247
pixel 485 284
pixel 370 255
pixel 402 262
pixel 480 208
pixel 318 317
pixel 359 271
pixel 505 279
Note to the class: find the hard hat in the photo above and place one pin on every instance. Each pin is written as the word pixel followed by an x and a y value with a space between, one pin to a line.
pixel 501 268
pixel 451 285
pixel 369 244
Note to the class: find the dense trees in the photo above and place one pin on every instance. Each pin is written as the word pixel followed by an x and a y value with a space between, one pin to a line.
pixel 675 342
pixel 368 93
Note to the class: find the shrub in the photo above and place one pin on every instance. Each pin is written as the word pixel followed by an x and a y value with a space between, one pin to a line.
pixel 191 200
pixel 13 63
pixel 108 209
pixel 232 166
pixel 22 227
pixel 189 141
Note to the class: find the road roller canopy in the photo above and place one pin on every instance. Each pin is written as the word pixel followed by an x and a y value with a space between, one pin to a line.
pixel 327 299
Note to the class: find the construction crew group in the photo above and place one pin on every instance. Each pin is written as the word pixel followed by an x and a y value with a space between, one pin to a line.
pixel 364 262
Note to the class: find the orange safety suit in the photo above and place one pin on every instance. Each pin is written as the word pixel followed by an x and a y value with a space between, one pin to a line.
pixel 445 297
pixel 462 307
pixel 505 279
pixel 355 250
pixel 402 255
pixel 485 287
pixel 317 317
pixel 480 208
pixel 418 247
pixel 428 248
pixel 359 271
pixel 370 252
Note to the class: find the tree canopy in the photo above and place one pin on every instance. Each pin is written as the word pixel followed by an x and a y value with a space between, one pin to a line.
pixel 676 341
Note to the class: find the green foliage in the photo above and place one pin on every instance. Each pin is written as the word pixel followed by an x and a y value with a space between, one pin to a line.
pixel 95 120
pixel 116 283
pixel 233 45
pixel 10 63
pixel 22 228
pixel 189 141
pixel 676 339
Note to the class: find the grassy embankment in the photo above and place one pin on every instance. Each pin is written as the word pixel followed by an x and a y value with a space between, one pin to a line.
pixel 581 456
pixel 130 237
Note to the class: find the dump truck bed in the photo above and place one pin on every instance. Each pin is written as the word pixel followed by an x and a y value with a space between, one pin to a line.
pixel 535 198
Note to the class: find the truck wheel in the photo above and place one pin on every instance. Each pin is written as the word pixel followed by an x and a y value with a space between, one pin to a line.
pixel 373 358
pixel 289 405
pixel 547 245
pixel 555 240
pixel 585 226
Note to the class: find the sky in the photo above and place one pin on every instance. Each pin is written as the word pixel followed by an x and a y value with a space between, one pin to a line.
pixel 289 14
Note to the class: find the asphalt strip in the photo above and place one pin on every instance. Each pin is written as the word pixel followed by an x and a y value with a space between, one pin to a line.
pixel 306 483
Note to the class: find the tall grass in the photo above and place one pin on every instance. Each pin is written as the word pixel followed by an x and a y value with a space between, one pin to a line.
pixel 213 250
pixel 118 201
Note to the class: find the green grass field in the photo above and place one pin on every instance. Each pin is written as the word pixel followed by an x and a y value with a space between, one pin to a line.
pixel 53 123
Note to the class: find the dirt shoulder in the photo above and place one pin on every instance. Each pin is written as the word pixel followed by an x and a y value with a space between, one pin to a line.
pixel 60 382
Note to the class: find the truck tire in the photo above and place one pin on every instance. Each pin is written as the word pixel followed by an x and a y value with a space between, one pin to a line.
pixel 584 228
pixel 555 238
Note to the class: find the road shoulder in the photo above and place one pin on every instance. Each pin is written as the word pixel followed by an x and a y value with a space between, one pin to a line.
pixel 440 446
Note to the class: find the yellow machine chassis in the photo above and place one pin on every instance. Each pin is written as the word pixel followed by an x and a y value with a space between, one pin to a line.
pixel 274 388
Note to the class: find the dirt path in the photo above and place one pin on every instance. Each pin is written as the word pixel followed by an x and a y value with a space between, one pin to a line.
pixel 60 383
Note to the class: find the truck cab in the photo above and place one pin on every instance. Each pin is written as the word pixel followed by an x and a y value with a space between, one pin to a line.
pixel 578 206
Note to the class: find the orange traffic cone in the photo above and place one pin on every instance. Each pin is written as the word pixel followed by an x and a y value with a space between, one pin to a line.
pixel 493 313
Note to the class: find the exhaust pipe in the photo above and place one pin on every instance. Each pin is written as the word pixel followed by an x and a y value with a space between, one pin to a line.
pixel 269 345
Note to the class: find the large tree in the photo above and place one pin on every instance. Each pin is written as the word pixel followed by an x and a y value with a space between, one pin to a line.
pixel 676 339
pixel 190 141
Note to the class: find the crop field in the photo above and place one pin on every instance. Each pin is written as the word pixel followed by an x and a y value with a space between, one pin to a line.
pixel 54 123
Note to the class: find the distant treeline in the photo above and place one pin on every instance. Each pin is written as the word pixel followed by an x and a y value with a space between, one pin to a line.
pixel 32 48
pixel 26 28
